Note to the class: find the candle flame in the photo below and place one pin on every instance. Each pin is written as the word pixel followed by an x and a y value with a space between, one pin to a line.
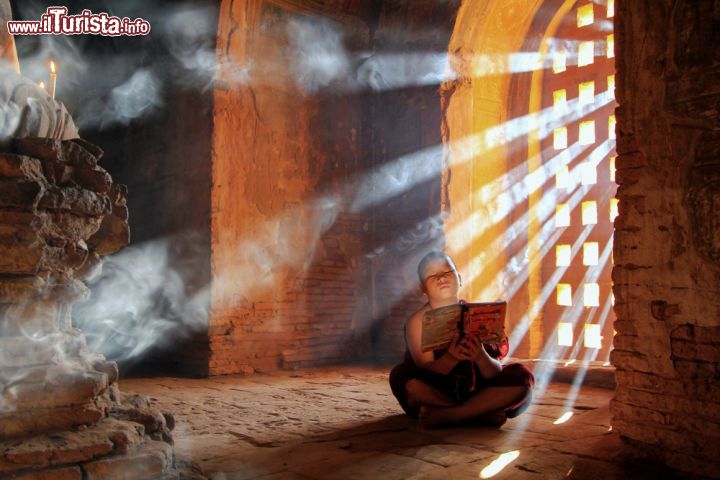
pixel 41 85
pixel 52 67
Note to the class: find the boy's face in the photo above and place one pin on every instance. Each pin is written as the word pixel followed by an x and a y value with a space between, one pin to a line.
pixel 441 281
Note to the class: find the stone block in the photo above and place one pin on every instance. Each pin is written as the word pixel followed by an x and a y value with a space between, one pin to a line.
pixel 697 370
pixel 77 200
pixel 67 224
pixel 20 194
pixel 690 350
pixel 634 159
pixel 148 462
pixel 113 234
pixel 152 419
pixel 95 179
pixel 21 260
pixel 67 151
pixel 25 351
pixel 19 289
pixel 22 423
pixel 19 166
pixel 64 473
pixel 54 386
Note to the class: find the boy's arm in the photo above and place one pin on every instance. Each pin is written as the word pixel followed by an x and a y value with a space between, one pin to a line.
pixel 426 360
pixel 489 366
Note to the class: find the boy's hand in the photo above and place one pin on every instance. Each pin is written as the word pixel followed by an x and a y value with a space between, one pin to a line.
pixel 462 349
pixel 477 346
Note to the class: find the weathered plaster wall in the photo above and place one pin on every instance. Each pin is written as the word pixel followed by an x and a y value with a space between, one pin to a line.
pixel 486 225
pixel 286 250
pixel 403 137
pixel 667 254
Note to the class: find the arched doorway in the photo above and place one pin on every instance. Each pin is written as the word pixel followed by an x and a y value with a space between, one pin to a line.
pixel 502 115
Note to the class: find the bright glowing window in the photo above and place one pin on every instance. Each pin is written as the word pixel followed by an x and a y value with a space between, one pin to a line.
pixel 593 337
pixel 586 53
pixel 611 85
pixel 610 46
pixel 589 212
pixel 588 173
pixel 611 126
pixel 560 138
pixel 560 100
pixel 565 334
pixel 562 215
pixel 559 61
pixel 591 295
pixel 562 178
pixel 612 168
pixel 590 253
pixel 564 294
pixel 563 255
pixel 586 93
pixel 613 209
pixel 610 8
pixel 585 15
pixel 587 132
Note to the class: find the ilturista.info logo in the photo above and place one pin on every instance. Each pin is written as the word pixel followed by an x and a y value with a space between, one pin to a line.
pixel 56 21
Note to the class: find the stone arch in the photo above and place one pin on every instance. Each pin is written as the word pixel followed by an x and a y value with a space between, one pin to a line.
pixel 487 109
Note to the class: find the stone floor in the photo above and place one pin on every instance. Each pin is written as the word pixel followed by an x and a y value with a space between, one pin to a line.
pixel 343 423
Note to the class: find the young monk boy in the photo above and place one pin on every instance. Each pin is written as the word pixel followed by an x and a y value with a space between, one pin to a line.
pixel 464 382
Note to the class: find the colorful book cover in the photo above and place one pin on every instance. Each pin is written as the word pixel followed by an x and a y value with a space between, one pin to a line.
pixel 486 320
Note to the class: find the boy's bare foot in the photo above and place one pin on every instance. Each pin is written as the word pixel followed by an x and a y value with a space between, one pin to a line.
pixel 432 417
pixel 493 419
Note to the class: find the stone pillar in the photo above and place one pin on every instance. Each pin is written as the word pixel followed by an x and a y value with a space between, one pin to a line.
pixel 61 412
pixel 667 240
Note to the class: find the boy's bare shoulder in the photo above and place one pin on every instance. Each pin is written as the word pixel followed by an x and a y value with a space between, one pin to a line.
pixel 417 316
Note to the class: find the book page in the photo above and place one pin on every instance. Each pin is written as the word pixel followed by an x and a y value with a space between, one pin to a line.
pixel 439 326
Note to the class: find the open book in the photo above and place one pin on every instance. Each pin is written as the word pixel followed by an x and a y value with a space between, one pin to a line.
pixel 486 320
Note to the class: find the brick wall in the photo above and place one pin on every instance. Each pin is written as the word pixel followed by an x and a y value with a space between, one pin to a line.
pixel 667 253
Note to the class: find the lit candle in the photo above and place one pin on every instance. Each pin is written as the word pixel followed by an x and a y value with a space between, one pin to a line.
pixel 53 79
pixel 41 85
